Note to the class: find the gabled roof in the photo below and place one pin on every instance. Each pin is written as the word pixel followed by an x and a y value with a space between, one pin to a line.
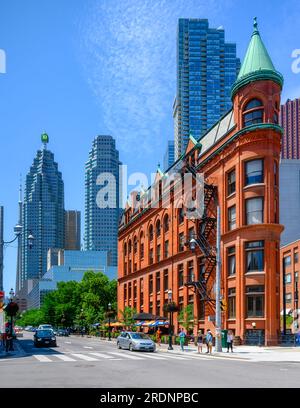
pixel 257 63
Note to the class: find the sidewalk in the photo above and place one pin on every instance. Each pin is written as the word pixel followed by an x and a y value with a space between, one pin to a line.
pixel 18 351
pixel 252 353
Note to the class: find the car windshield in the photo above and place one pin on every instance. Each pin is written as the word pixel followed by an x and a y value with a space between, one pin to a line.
pixel 140 336
pixel 44 333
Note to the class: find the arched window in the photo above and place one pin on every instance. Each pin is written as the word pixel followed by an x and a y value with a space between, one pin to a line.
pixel 129 246
pixel 180 215
pixel 141 245
pixel 151 232
pixel 166 223
pixel 135 245
pixel 125 249
pixel 253 112
pixel 158 229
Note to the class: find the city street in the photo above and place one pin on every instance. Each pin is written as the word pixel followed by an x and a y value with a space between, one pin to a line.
pixel 90 362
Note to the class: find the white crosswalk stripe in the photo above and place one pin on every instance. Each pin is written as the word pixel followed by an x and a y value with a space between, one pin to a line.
pixel 102 355
pixel 174 357
pixel 85 357
pixel 42 359
pixel 64 357
pixel 120 354
pixel 154 357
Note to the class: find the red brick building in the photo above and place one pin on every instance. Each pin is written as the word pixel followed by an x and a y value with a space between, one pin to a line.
pixel 239 159
pixel 290 285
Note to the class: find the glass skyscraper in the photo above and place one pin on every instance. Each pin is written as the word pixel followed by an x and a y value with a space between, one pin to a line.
pixel 102 215
pixel 206 69
pixel 169 156
pixel 43 213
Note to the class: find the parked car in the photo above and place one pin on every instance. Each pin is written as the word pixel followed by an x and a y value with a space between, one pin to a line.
pixel 44 338
pixel 45 327
pixel 62 332
pixel 135 341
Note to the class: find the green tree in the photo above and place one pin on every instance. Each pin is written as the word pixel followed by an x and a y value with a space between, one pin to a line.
pixel 33 317
pixel 127 316
pixel 186 317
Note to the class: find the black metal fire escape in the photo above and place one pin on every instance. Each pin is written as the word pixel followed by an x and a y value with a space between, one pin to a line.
pixel 205 237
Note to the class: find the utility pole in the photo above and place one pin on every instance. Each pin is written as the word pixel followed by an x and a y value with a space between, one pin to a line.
pixel 218 285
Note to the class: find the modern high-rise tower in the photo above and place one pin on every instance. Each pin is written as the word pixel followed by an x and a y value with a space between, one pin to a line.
pixel 102 198
pixel 169 156
pixel 290 121
pixel 1 246
pixel 43 213
pixel 72 230
pixel 207 66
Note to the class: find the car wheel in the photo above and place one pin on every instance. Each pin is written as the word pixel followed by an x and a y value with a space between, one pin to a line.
pixel 118 345
pixel 130 347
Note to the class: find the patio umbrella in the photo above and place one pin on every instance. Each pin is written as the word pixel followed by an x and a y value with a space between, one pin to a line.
pixel 140 324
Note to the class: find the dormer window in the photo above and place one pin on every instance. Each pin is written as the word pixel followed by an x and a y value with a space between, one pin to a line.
pixel 253 112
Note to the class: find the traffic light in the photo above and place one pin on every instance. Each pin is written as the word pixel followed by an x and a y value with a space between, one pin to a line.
pixel 223 304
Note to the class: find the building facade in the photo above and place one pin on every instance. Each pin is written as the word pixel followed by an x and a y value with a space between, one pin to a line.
pixel 239 160
pixel 43 213
pixel 290 121
pixel 207 66
pixel 169 157
pixel 102 198
pixel 72 265
pixel 1 246
pixel 289 181
pixel 290 285
pixel 72 230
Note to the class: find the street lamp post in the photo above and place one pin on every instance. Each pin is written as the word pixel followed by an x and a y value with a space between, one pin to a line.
pixel 11 345
pixel 109 311
pixel 171 320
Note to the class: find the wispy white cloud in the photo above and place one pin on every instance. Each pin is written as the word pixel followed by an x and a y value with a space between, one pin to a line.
pixel 128 50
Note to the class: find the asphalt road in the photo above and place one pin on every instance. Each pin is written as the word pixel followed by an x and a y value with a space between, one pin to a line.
pixel 89 362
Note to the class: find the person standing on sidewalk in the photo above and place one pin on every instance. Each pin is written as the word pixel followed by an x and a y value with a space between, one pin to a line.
pixel 182 339
pixel 229 341
pixel 158 337
pixel 200 341
pixel 209 341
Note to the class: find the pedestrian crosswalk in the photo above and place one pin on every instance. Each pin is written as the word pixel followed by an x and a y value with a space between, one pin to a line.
pixel 112 356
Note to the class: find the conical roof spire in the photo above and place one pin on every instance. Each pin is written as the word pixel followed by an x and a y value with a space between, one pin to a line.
pixel 257 64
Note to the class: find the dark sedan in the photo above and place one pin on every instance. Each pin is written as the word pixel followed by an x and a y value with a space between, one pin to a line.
pixel 44 338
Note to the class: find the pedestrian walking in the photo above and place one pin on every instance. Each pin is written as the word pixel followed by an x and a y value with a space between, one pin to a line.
pixel 200 341
pixel 209 341
pixel 182 336
pixel 229 341
pixel 8 341
pixel 158 337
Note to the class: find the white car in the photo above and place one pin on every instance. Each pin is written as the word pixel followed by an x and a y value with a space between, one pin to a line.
pixel 45 327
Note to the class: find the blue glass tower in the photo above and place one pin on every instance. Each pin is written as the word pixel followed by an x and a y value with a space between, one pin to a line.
pixel 169 156
pixel 206 69
pixel 43 213
pixel 101 219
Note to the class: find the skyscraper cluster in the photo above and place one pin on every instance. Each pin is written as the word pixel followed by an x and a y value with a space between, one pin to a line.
pixel 42 212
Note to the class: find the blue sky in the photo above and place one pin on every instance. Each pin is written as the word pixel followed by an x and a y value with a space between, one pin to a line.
pixel 85 67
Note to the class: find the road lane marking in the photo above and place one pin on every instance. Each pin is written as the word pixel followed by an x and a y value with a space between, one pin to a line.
pixel 84 357
pixel 120 354
pixel 64 357
pixel 174 357
pixel 87 347
pixel 102 355
pixel 68 342
pixel 155 357
pixel 41 358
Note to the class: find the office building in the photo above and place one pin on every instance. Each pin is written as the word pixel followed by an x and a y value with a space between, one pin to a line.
pixel 207 66
pixel 289 200
pixel 290 121
pixel 102 198
pixel 72 230
pixel 169 156
pixel 1 245
pixel 71 266
pixel 43 213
